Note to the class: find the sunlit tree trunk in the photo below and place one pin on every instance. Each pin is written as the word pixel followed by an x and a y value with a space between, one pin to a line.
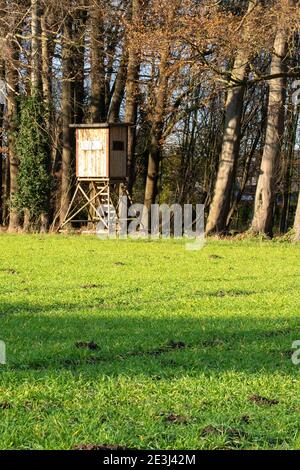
pixel 297 222
pixel 118 89
pixel 79 92
pixel 220 206
pixel 97 57
pixel 46 63
pixel 35 47
pixel 265 191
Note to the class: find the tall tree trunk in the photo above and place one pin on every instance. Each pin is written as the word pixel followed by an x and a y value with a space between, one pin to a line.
pixel 35 47
pixel 2 102
pixel 66 117
pixel 131 106
pixel 110 53
pixel 41 87
pixel 156 132
pixel 97 56
pixel 220 206
pixel 35 84
pixel 265 191
pixel 219 209
pixel 12 80
pixel 79 62
pixel 46 64
pixel 118 89
pixel 288 170
pixel 297 222
pixel 1 163
pixel 6 185
pixel 47 53
pixel 244 180
pixel 78 88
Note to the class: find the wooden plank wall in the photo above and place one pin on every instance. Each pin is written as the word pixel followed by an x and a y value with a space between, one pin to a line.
pixel 118 158
pixel 92 153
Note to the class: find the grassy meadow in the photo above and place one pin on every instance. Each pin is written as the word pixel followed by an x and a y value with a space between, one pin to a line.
pixel 145 345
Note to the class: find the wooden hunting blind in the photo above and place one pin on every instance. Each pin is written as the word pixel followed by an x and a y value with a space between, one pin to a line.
pixel 101 151
pixel 101 172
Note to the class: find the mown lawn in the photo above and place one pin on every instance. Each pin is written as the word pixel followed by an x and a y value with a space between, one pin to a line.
pixel 194 348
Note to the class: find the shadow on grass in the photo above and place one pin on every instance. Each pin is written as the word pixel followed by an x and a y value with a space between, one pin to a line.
pixel 38 339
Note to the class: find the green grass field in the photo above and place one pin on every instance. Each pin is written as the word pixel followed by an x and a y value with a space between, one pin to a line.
pixel 194 348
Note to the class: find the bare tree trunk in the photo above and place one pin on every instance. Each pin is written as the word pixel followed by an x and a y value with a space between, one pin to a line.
pixel 97 108
pixel 12 111
pixel 110 53
pixel 288 170
pixel 187 152
pixel 118 89
pixel 2 76
pixel 41 87
pixel 79 87
pixel 79 36
pixel 220 206
pixel 46 63
pixel 1 164
pixel 244 180
pixel 26 221
pixel 265 191
pixel 6 189
pixel 35 47
pixel 156 133
pixel 44 220
pixel 66 118
pixel 132 99
pixel 297 222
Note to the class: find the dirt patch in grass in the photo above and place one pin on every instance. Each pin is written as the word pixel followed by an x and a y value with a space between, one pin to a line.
pixel 91 346
pixel 175 419
pixel 220 293
pixel 5 406
pixel 9 271
pixel 233 433
pixel 232 293
pixel 215 257
pixel 156 378
pixel 241 293
pixel 92 447
pixel 176 345
pixel 246 419
pixel 212 343
pixel 94 360
pixel 91 286
pixel 287 353
pixel 263 401
pixel 210 430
